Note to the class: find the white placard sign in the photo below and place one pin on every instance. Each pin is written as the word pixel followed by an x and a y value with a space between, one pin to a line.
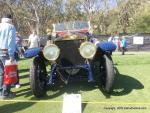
pixel 72 103
pixel 138 40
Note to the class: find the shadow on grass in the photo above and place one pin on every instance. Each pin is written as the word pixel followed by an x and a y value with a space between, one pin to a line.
pixel 124 84
pixel 60 89
pixel 83 106
pixel 24 76
pixel 15 107
pixel 24 90
pixel 25 84
pixel 23 70
pixel 21 59
pixel 77 87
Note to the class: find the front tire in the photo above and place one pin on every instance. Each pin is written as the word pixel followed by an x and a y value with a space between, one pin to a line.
pixel 108 76
pixel 38 75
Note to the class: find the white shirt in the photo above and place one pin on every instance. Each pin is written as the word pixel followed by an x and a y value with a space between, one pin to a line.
pixel 34 41
pixel 110 39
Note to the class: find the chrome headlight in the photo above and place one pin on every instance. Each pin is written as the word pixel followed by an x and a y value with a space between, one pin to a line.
pixel 87 50
pixel 51 52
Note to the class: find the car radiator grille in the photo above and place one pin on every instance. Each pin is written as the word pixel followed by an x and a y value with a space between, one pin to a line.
pixel 69 52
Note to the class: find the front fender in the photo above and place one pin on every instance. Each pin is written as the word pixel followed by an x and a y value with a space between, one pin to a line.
pixel 29 53
pixel 107 46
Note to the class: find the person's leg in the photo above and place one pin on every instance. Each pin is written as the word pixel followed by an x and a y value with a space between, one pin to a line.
pixel 17 77
pixel 6 89
pixel 1 76
pixel 1 81
pixel 6 92
pixel 17 83
pixel 1 84
pixel 123 50
pixel 20 52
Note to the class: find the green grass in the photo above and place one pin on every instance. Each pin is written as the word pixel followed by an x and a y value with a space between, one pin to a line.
pixel 131 90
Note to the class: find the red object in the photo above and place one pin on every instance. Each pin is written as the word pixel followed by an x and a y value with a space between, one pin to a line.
pixel 10 74
pixel 119 43
pixel 62 33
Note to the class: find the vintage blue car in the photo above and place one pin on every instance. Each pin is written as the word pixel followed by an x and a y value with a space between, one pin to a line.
pixel 72 52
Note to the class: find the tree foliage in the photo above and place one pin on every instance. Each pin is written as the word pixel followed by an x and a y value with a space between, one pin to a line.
pixel 141 20
pixel 125 17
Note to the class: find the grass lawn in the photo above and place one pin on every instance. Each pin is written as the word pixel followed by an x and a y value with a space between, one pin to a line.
pixel 131 93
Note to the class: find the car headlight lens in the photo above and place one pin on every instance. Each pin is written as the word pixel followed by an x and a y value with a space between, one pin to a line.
pixel 51 52
pixel 87 50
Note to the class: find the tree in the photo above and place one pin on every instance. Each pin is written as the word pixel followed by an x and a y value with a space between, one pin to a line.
pixel 127 9
pixel 141 21
pixel 123 17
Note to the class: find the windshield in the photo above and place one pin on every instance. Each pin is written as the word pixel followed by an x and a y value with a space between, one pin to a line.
pixel 69 26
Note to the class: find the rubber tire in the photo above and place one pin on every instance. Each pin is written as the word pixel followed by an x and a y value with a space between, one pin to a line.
pixel 38 78
pixel 108 76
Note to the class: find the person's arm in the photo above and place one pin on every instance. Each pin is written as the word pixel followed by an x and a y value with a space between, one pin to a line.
pixel 38 41
pixel 0 27
pixel 12 43
pixel 29 41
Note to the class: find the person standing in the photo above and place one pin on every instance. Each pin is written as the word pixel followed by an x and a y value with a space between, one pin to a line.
pixel 119 44
pixel 123 44
pixel 33 40
pixel 111 38
pixel 7 50
pixel 18 54
pixel 19 45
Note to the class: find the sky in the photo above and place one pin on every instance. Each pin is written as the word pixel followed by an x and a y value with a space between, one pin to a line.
pixel 112 3
pixel 100 5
